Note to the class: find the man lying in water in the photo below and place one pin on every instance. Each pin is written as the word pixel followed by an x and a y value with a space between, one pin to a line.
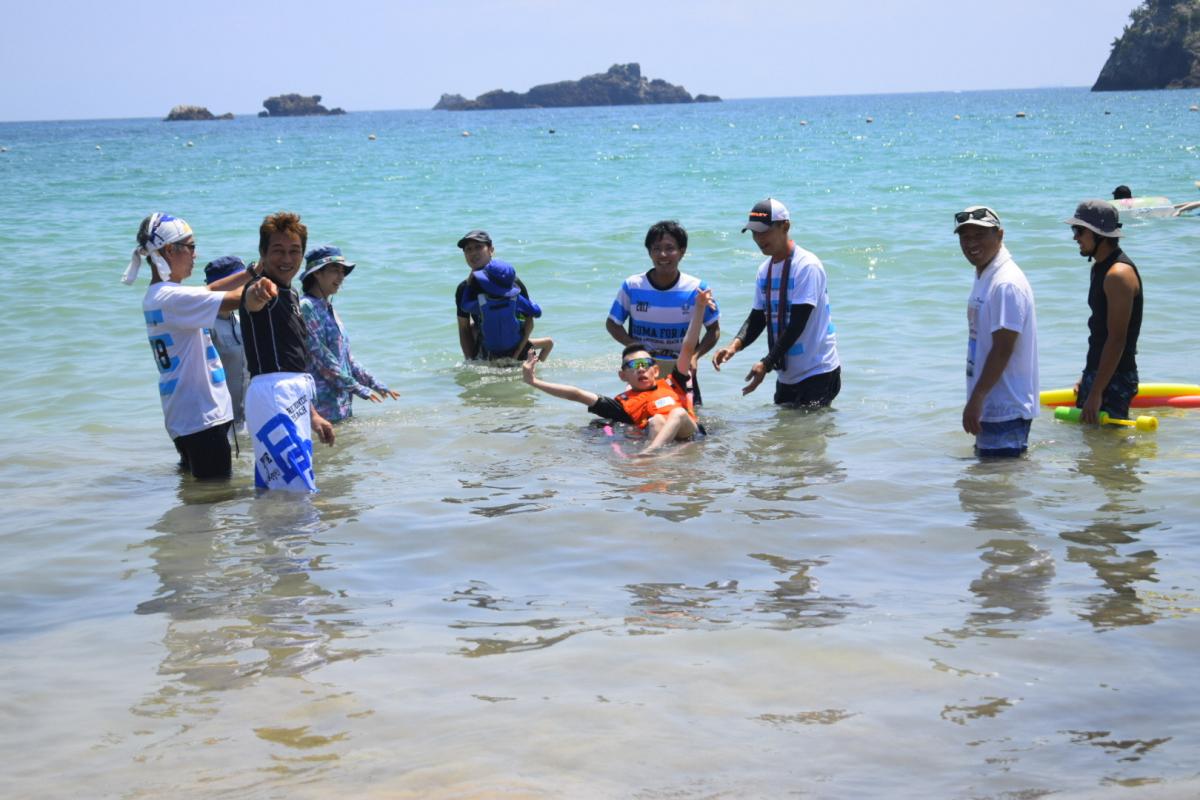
pixel 662 406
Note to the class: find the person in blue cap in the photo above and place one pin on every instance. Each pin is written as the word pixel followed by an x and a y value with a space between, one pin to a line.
pixel 227 337
pixel 495 306
pixel 337 375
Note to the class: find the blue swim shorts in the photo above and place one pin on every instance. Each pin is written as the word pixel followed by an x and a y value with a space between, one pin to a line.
pixel 1003 439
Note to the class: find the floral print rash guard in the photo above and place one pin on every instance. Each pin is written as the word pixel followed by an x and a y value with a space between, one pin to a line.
pixel 337 375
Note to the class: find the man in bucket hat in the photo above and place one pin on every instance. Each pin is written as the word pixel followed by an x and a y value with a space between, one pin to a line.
pixel 1110 378
pixel 1002 369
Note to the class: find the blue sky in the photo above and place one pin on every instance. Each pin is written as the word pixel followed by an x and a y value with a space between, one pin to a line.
pixel 68 59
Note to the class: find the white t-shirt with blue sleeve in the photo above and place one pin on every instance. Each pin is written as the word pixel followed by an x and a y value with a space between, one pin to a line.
pixel 815 352
pixel 191 378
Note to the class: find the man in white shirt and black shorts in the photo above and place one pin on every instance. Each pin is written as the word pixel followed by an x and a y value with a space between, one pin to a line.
pixel 791 302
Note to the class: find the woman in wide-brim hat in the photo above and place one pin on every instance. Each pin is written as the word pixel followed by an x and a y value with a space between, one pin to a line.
pixel 337 375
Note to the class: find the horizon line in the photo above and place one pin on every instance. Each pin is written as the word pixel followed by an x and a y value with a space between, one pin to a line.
pixel 255 114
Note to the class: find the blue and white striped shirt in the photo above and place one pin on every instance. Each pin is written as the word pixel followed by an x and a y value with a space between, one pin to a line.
pixel 658 318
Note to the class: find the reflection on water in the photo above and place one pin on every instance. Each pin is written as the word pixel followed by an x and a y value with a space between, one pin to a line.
pixel 237 589
pixel 503 634
pixel 494 385
pixel 990 707
pixel 796 599
pixel 992 490
pixel 1013 587
pixel 517 463
pixel 657 607
pixel 504 486
pixel 1107 544
pixel 499 624
pixel 793 602
pixel 785 463
pixel 675 486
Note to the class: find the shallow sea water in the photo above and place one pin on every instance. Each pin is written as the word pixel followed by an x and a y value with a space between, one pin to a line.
pixel 486 599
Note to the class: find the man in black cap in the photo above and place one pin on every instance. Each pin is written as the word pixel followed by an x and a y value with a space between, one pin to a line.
pixel 478 252
pixel 1122 192
pixel 1110 378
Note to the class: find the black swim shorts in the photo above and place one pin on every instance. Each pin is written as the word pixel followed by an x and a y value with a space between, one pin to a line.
pixel 818 390
pixel 206 454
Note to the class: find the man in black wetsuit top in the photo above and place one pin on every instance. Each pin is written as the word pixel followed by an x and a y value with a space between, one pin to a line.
pixel 1110 378
pixel 279 411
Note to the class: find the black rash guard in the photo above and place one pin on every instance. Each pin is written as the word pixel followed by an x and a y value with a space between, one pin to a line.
pixel 756 323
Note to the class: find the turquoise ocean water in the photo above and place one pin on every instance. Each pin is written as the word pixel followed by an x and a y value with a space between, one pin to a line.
pixel 485 599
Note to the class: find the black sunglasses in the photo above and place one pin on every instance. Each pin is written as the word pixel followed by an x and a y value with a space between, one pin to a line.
pixel 979 213
pixel 189 245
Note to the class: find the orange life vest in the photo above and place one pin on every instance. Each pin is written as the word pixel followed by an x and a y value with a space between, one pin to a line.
pixel 664 398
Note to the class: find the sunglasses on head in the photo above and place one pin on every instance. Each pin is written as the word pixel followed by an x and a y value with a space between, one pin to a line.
pixel 639 363
pixel 979 213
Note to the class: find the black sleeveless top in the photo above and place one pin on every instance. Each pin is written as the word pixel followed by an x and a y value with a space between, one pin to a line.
pixel 273 337
pixel 1098 322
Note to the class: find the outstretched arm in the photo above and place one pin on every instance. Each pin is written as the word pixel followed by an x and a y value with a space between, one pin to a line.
pixel 232 286
pixel 754 325
pixel 529 374
pixel 797 320
pixel 704 301
pixel 257 294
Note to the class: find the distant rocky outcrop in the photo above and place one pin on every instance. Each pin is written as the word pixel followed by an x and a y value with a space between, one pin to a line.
pixel 181 113
pixel 1159 49
pixel 297 105
pixel 622 85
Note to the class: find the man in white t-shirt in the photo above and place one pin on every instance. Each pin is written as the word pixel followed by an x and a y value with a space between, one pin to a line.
pixel 1002 369
pixel 791 302
pixel 191 378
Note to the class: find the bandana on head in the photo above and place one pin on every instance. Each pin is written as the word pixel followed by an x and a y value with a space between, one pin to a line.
pixel 164 230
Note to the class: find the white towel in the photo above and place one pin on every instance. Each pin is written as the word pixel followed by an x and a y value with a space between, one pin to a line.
pixel 278 415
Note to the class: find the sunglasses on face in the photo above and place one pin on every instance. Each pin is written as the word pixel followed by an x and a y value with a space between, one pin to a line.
pixel 188 245
pixel 979 213
pixel 639 363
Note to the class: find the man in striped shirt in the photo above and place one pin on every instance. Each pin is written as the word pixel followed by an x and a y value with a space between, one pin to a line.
pixel 653 308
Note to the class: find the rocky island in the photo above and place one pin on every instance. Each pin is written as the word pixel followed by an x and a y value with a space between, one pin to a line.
pixel 189 113
pixel 1159 49
pixel 297 105
pixel 622 85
